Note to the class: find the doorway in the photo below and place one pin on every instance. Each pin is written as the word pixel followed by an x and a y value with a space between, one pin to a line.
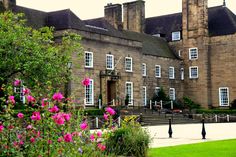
pixel 111 92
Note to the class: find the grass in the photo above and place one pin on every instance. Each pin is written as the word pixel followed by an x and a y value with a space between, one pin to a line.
pixel 225 148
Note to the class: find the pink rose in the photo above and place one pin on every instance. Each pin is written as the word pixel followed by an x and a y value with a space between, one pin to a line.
pixel 1 128
pixel 111 111
pixel 36 116
pixel 59 118
pixel 60 139
pixel 86 82
pixel 54 109
pixel 21 142
pixel 20 115
pixel 68 137
pixel 29 127
pixel 101 146
pixel 19 136
pixel 57 96
pixel 17 82
pixel 67 116
pixel 26 91
pixel 92 137
pixel 30 99
pixel 44 102
pixel 83 126
pixel 99 134
pixel 12 99
pixel 32 140
pixel 105 116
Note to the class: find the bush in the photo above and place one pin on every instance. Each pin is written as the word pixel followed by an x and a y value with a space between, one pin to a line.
pixel 130 140
pixel 93 112
pixel 190 104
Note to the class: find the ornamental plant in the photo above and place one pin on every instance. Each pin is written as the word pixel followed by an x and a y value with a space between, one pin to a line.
pixel 46 129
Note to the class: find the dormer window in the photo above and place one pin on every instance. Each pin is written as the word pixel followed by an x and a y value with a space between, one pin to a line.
pixel 175 36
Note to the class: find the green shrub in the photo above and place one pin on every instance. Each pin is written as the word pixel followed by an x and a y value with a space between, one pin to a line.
pixel 130 140
pixel 190 104
pixel 93 112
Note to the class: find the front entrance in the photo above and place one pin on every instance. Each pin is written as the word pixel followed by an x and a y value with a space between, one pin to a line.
pixel 111 92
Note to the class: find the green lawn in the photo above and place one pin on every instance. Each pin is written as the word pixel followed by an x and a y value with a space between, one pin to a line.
pixel 226 148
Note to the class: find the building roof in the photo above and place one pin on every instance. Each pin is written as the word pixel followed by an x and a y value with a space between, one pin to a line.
pixel 221 21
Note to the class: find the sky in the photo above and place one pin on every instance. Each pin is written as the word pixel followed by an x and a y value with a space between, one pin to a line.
pixel 88 9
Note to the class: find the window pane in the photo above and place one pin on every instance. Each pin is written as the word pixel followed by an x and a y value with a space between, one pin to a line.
pixel 129 91
pixel 144 96
pixel 158 71
pixel 109 61
pixel 144 69
pixel 89 93
pixel 88 59
pixel 224 97
pixel 172 94
pixel 171 72
pixel 193 53
pixel 128 64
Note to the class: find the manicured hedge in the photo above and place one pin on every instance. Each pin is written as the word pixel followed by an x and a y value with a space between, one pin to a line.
pixel 93 112
pixel 215 111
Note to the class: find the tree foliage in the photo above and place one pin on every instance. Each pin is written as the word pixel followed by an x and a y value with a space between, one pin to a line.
pixel 33 55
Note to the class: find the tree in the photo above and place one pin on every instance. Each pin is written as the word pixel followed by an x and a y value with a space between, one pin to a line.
pixel 33 56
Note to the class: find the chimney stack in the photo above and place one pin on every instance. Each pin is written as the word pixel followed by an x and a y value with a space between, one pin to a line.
pixel 113 14
pixel 7 4
pixel 134 16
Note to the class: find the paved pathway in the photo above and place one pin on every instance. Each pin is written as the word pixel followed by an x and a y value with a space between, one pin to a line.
pixel 190 133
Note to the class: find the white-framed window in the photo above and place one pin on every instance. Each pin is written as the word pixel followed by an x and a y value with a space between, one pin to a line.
pixel 144 95
pixel 128 64
pixel 193 72
pixel 182 73
pixel 158 71
pixel 109 62
pixel 144 69
pixel 171 72
pixel 193 53
pixel 88 59
pixel 129 91
pixel 157 90
pixel 175 36
pixel 172 93
pixel 89 93
pixel 224 96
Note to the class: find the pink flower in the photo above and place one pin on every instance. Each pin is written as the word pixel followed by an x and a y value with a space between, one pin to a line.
pixel 12 99
pixel 54 109
pixel 1 128
pixel 21 142
pixel 92 137
pixel 19 136
pixel 59 118
pixel 44 102
pixel 32 140
pixel 111 111
pixel 60 139
pixel 20 115
pixel 29 127
pixel 36 116
pixel 66 116
pixel 99 134
pixel 57 96
pixel 83 126
pixel 101 146
pixel 86 82
pixel 26 91
pixel 15 144
pixel 105 116
pixel 68 137
pixel 30 98
pixel 17 82
pixel 49 141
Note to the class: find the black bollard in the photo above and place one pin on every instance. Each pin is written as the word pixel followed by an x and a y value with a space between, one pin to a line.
pixel 203 129
pixel 170 129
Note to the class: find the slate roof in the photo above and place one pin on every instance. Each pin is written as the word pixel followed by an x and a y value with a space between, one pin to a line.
pixel 221 21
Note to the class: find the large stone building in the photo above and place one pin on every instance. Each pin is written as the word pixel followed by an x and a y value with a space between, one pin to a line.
pixel 187 54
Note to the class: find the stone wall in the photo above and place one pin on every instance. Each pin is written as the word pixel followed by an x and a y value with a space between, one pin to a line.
pixel 223 66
